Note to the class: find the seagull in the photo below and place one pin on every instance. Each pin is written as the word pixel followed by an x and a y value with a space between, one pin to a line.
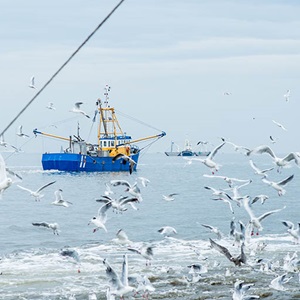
pixel 216 192
pixel 145 251
pixel 260 197
pixel 5 181
pixel 238 260
pixel 225 201
pixel 280 162
pixel 259 171
pixel 208 161
pixel 214 230
pixel 273 141
pixel 125 159
pixel 287 95
pixel 36 194
pixel 278 186
pixel 59 201
pixel 226 93
pixel 256 221
pixel 77 109
pixel 133 189
pixel 169 197
pixel 118 205
pixel 239 291
pixel 101 218
pixel 293 230
pixel 121 238
pixel 119 287
pixel 145 285
pixel 239 236
pixel 144 181
pixel 167 231
pixel 279 125
pixel 229 180
pixel 279 281
pixel 51 106
pixel 32 85
pixel 237 147
pixel 53 226
pixel 67 252
pixel 108 190
pixel 20 132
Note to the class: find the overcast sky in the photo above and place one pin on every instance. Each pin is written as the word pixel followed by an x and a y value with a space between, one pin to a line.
pixel 168 63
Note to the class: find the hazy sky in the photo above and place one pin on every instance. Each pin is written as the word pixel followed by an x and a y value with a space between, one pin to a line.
pixel 168 64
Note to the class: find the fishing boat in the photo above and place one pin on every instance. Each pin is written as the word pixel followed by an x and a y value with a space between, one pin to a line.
pixel 187 150
pixel 114 151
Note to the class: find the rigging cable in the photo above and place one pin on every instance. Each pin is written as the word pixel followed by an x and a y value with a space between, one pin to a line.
pixel 58 71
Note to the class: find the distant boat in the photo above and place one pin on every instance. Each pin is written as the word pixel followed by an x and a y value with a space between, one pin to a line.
pixel 114 151
pixel 187 150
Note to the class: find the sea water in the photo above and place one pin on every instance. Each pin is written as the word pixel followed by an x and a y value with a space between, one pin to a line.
pixel 32 267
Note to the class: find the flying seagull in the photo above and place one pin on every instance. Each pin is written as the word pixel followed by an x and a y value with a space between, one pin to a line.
pixel 53 226
pixel 76 109
pixel 36 194
pixel 279 125
pixel 31 84
pixel 238 260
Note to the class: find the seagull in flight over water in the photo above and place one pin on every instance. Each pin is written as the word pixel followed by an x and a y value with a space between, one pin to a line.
pixel 278 186
pixel 279 125
pixel 36 194
pixel 208 161
pixel 53 226
pixel 280 162
pixel 59 201
pixel 32 85
pixel 76 109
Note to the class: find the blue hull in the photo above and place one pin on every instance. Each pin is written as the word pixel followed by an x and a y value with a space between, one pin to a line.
pixel 71 162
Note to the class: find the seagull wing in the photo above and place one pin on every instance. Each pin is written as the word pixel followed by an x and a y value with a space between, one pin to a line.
pixel 43 224
pixel 102 211
pixel 25 189
pixel 44 186
pixel 112 275
pixel 221 249
pixel 288 224
pixel 77 104
pixel 292 156
pixel 253 165
pixel 214 151
pixel 263 216
pixel 120 182
pixel 286 180
pixel 124 275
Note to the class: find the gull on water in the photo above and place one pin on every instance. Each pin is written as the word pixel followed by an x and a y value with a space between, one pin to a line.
pixel 278 186
pixel 32 84
pixel 259 171
pixel 53 226
pixel 119 286
pixel 20 132
pixel 36 194
pixel 208 161
pixel 59 201
pixel 279 125
pixel 293 230
pixel 101 218
pixel 280 162
pixel 76 109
